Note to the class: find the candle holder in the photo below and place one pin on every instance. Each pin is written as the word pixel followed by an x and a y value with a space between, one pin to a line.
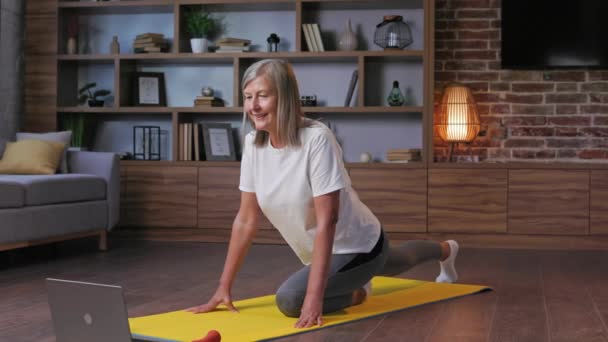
pixel 393 33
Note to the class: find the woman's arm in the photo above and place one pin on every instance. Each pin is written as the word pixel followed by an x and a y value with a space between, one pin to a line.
pixel 243 231
pixel 326 210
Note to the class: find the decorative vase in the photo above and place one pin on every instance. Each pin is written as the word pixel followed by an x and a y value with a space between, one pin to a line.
pixel 207 91
pixel 114 46
pixel 199 45
pixel 71 46
pixel 395 97
pixel 347 40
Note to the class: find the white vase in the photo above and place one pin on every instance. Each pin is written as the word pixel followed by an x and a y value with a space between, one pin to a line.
pixel 199 45
pixel 347 40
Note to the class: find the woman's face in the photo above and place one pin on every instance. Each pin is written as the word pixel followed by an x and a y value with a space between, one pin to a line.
pixel 261 104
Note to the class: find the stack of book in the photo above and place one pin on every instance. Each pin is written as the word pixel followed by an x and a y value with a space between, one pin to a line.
pixel 312 35
pixel 190 145
pixel 150 42
pixel 228 44
pixel 208 101
pixel 403 155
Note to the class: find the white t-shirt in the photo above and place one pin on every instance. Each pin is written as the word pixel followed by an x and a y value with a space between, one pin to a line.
pixel 286 180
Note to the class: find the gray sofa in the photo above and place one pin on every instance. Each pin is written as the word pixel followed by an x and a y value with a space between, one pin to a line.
pixel 37 209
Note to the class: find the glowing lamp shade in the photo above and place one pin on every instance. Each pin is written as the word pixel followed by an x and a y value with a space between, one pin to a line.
pixel 457 117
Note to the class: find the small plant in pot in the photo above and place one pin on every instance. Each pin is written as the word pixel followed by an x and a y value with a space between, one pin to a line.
pixel 86 93
pixel 199 25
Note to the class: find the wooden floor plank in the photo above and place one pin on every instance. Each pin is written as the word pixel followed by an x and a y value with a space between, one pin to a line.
pixel 470 318
pixel 570 308
pixel 520 312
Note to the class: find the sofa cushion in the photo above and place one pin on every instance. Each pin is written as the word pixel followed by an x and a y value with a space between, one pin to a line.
pixel 12 194
pixel 63 137
pixel 31 157
pixel 60 188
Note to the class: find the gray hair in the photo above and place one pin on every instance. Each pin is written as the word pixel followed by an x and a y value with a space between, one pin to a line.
pixel 289 113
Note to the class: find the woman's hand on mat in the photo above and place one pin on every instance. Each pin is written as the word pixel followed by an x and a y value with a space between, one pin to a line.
pixel 221 296
pixel 311 314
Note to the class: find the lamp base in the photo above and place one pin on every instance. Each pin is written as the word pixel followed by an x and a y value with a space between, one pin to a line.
pixel 451 151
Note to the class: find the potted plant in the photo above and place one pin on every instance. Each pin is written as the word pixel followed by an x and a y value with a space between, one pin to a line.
pixel 85 93
pixel 199 24
pixel 81 125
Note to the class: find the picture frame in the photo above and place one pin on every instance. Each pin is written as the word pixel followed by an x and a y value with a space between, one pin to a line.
pixel 218 142
pixel 149 89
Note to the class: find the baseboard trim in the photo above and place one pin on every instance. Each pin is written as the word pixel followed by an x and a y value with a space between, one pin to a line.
pixel 512 241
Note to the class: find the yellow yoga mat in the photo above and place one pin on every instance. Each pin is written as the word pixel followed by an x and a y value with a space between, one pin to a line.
pixel 259 318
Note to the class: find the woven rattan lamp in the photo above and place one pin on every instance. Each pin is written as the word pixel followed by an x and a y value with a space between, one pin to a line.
pixel 457 117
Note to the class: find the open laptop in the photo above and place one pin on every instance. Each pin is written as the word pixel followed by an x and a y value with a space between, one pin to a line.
pixel 87 311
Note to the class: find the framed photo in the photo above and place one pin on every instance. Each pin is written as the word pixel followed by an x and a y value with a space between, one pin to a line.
pixel 150 89
pixel 218 141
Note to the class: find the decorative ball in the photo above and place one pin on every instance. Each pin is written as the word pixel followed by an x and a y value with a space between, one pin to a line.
pixel 365 157
pixel 207 91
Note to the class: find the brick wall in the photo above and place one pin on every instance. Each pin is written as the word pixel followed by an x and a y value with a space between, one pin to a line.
pixel 531 115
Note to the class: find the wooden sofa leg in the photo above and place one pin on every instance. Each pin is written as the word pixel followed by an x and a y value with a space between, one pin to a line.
pixel 103 240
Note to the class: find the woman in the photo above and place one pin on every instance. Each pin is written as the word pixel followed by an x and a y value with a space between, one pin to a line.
pixel 292 171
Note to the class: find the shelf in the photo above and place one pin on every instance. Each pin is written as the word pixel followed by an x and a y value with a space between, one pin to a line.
pixel 233 110
pixel 119 7
pixel 412 165
pixel 229 57
pixel 363 110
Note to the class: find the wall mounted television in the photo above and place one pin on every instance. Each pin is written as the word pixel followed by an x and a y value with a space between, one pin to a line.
pixel 547 34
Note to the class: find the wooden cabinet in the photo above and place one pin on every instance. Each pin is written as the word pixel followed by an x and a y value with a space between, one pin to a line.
pixel 599 202
pixel 219 198
pixel 160 196
pixel 468 201
pixel 549 201
pixel 397 197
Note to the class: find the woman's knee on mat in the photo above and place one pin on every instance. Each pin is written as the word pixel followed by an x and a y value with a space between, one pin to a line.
pixel 289 303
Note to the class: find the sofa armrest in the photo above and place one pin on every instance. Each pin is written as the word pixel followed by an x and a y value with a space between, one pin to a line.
pixel 105 165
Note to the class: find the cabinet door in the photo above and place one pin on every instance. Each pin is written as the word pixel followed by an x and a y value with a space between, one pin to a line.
pixel 123 197
pixel 397 197
pixel 161 196
pixel 549 201
pixel 219 198
pixel 468 201
pixel 599 202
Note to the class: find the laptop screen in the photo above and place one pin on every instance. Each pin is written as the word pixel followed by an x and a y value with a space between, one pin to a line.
pixel 87 312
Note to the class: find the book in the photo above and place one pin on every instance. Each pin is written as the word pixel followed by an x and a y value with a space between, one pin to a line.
pixel 149 34
pixel 149 49
pixel 351 88
pixel 317 37
pixel 231 40
pixel 143 45
pixel 149 40
pixel 307 38
pixel 197 155
pixel 311 34
pixel 224 48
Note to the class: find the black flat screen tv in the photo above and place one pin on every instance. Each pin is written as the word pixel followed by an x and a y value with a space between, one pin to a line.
pixel 546 34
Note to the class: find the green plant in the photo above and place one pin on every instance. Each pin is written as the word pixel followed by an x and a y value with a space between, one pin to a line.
pixel 85 93
pixel 199 23
pixel 81 126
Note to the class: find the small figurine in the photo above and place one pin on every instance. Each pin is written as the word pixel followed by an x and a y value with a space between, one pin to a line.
pixel 273 42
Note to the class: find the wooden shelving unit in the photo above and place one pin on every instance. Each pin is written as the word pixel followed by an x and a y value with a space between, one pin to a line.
pixel 172 193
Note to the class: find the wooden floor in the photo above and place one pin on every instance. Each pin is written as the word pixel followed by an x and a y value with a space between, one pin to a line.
pixel 538 295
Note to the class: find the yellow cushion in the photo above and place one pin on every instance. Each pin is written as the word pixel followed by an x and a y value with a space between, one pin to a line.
pixel 31 157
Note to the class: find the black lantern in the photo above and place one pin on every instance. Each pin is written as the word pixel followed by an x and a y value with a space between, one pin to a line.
pixel 273 42
pixel 146 142
pixel 393 33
